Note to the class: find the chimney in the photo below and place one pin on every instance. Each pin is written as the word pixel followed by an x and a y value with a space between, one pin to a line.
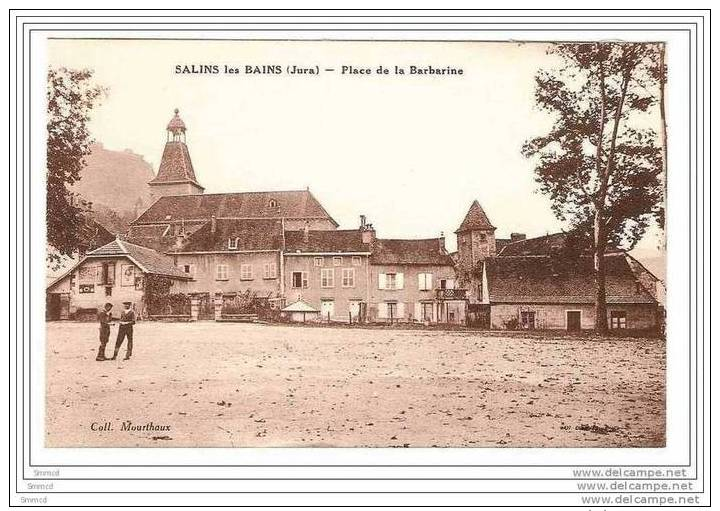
pixel 213 224
pixel 368 234
pixel 306 232
pixel 363 220
pixel 441 242
pixel 516 236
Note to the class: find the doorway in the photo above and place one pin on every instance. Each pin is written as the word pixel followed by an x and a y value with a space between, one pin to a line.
pixel 573 320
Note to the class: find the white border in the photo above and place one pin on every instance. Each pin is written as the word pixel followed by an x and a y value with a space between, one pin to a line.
pixel 677 353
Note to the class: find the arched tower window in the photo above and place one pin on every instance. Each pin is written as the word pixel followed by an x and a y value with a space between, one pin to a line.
pixel 273 203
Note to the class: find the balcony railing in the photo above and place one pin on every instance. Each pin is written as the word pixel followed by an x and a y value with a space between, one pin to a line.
pixel 451 294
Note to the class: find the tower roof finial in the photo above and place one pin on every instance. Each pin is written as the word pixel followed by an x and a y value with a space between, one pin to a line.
pixel 176 124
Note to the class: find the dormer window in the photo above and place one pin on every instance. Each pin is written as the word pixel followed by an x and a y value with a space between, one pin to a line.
pixel 273 203
pixel 233 243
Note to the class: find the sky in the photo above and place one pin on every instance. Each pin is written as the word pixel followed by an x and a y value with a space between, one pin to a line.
pixel 411 152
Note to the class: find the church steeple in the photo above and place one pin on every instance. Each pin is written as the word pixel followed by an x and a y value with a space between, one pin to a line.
pixel 176 175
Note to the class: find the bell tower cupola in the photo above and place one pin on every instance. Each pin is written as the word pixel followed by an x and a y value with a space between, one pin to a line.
pixel 176 175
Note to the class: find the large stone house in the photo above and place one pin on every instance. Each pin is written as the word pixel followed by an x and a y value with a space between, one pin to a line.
pixel 284 247
pixel 548 282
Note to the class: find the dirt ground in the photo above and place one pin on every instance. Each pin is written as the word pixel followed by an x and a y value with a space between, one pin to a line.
pixel 237 385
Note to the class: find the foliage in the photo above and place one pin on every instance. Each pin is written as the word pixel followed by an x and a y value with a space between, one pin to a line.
pixel 601 163
pixel 159 300
pixel 600 154
pixel 249 303
pixel 71 96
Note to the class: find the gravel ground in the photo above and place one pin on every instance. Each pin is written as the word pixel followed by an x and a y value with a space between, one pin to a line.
pixel 237 385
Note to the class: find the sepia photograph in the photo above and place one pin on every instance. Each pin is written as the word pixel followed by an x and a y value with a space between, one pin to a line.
pixel 355 243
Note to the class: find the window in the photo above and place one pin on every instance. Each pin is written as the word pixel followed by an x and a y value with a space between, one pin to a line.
pixel 221 272
pixel 246 272
pixel 270 271
pixel 447 284
pixel 319 261
pixel 108 274
pixel 348 277
pixel 337 261
pixel 108 291
pixel 273 203
pixel 483 237
pixel 357 261
pixel 527 319
pixel 233 243
pixel 299 280
pixel 188 268
pixel 390 281
pixel 425 281
pixel 327 277
pixel 618 319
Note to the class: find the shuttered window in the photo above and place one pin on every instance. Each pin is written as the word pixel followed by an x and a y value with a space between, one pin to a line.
pixel 327 277
pixel 424 281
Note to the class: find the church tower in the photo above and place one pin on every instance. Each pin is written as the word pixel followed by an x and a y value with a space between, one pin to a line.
pixel 176 175
pixel 475 238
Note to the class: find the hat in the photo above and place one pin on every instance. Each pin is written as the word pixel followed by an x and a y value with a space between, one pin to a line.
pixel 127 303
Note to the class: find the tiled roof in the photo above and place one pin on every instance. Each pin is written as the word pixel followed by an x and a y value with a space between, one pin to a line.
pixel 288 204
pixel 475 219
pixel 250 235
pixel 159 236
pixel 325 241
pixel 426 251
pixel 149 260
pixel 555 279
pixel 176 123
pixel 300 306
pixel 175 166
pixel 542 245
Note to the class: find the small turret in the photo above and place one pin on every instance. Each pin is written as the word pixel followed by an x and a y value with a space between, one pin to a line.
pixel 475 238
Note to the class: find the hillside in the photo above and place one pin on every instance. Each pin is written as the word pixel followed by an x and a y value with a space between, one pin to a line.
pixel 116 183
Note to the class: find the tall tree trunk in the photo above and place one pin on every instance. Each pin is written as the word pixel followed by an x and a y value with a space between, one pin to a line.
pixel 662 77
pixel 601 324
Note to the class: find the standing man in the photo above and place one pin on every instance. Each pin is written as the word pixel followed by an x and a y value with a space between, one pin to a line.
pixel 104 318
pixel 127 320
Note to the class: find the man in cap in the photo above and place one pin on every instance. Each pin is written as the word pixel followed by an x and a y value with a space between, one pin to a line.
pixel 127 320
pixel 104 318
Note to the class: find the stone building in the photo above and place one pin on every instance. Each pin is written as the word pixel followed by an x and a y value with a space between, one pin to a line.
pixel 283 247
pixel 548 282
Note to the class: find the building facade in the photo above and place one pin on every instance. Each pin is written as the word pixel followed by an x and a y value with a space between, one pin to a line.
pixel 283 247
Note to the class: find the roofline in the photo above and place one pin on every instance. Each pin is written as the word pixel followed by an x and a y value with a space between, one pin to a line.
pixel 322 207
pixel 374 263
pixel 154 182
pixel 410 239
pixel 244 193
pixel 66 273
pixel 568 302
pixel 207 219
pixel 259 251
pixel 657 279
pixel 530 239
pixel 289 252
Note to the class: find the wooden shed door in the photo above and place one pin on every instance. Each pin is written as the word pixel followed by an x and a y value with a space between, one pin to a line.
pixel 573 320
